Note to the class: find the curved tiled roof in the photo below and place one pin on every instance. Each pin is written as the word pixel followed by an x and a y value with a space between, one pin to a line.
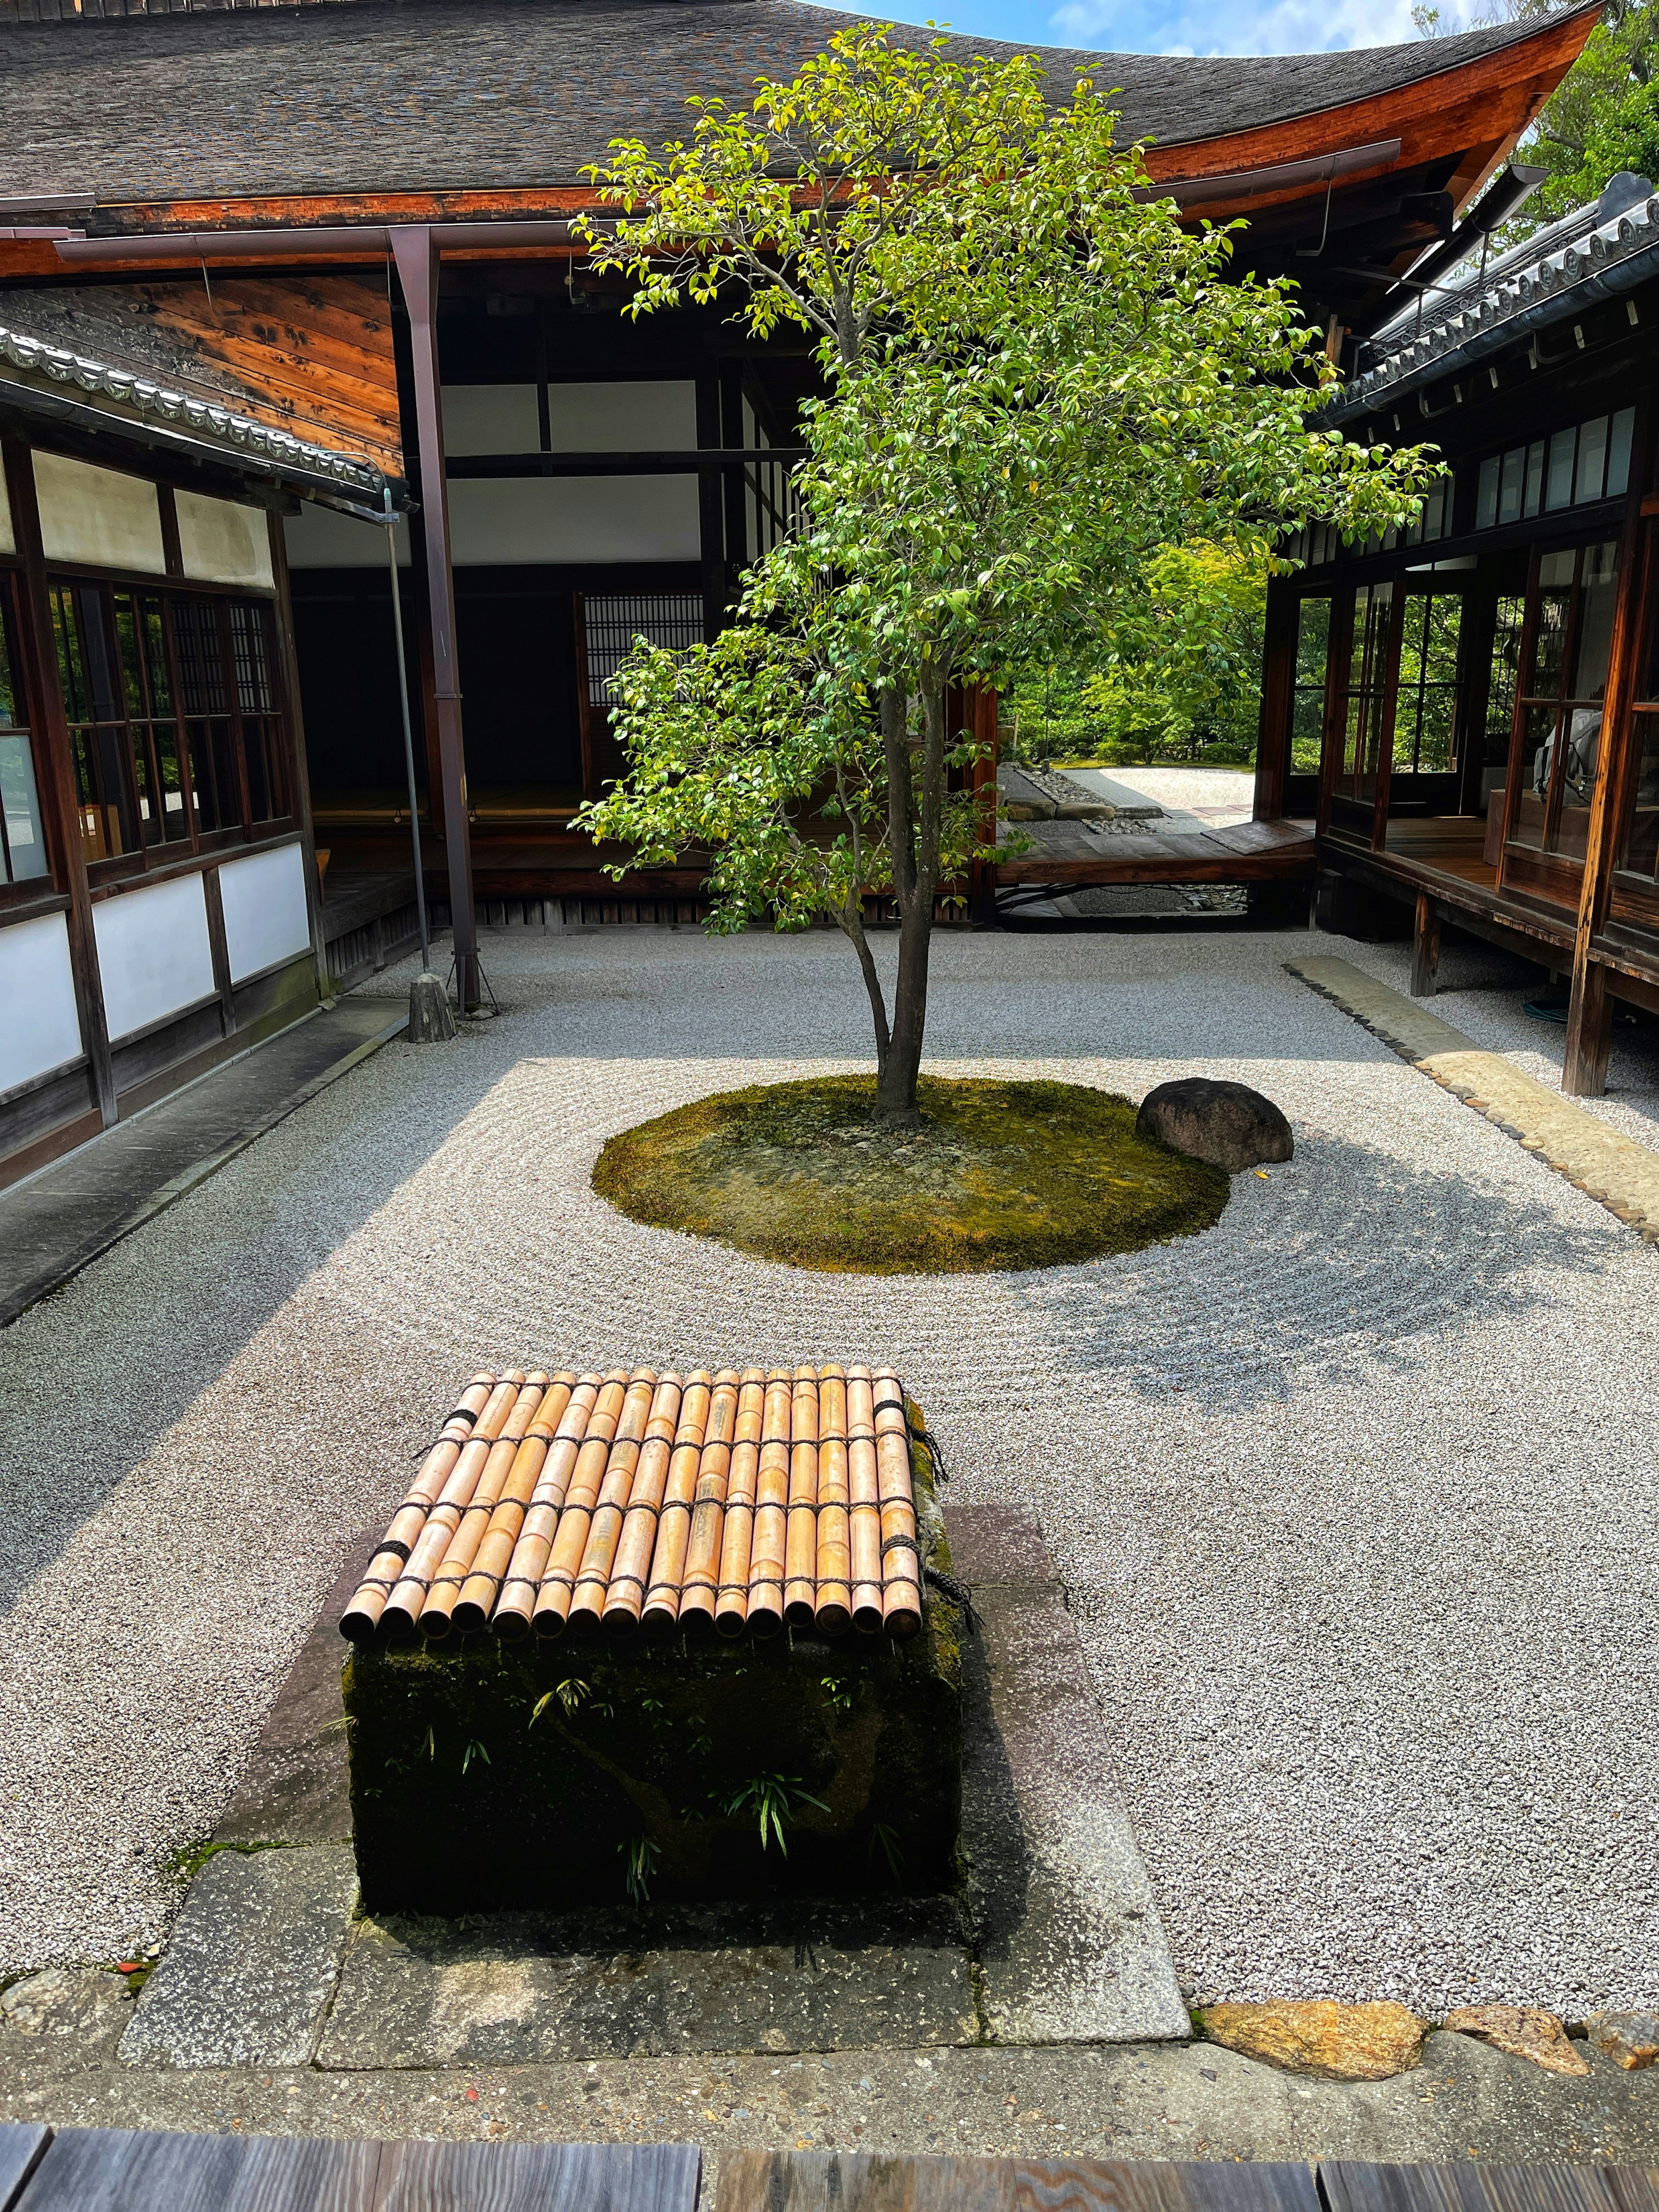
pixel 411 95
pixel 1545 280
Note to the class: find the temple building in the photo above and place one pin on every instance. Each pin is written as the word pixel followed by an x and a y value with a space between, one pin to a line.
pixel 1470 711
pixel 289 309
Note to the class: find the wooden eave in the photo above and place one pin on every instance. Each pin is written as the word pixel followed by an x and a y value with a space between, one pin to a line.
pixel 1469 115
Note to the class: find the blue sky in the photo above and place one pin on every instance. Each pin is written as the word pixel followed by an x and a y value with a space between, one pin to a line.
pixel 1179 27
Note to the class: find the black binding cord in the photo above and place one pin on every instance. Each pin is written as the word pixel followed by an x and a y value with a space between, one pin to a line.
pixel 948 1586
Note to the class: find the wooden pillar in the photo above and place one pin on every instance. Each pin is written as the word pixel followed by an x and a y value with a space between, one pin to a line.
pixel 417 255
pixel 55 774
pixel 711 519
pixel 734 495
pixel 982 874
pixel 299 766
pixel 1426 948
pixel 1273 748
pixel 1589 1012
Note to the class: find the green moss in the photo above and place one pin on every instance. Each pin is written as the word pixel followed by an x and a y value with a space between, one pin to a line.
pixel 999 1174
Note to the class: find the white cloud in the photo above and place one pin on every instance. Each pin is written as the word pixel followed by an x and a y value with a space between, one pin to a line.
pixel 1270 27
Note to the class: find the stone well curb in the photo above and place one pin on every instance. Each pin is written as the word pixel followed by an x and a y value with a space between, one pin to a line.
pixel 1613 1169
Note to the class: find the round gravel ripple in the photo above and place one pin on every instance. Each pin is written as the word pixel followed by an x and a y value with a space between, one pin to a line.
pixel 1355 1493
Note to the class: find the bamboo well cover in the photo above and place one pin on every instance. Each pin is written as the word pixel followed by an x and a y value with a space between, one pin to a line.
pixel 701 1502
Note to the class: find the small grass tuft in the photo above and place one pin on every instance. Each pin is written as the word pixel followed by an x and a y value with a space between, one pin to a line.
pixel 998 1176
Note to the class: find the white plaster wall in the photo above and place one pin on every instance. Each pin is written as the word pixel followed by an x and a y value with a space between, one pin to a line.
pixel 490 418
pixel 660 416
pixel 264 903
pixel 7 542
pixel 98 516
pixel 501 520
pixel 41 1029
pixel 223 544
pixel 322 537
pixel 154 954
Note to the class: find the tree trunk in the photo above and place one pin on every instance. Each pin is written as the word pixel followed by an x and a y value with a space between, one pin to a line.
pixel 915 821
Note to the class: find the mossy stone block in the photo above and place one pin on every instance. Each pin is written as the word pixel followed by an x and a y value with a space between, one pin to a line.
pixel 488 1776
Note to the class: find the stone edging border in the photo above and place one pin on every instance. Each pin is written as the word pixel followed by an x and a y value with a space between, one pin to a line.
pixel 1615 1170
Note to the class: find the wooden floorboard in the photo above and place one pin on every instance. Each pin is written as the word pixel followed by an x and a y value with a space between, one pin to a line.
pixel 20 2148
pixel 1242 853
pixel 119 2169
pixel 1633 2188
pixel 1350 2186
pixel 825 2181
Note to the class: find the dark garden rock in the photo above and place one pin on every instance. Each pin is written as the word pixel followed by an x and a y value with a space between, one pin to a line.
pixel 1226 1124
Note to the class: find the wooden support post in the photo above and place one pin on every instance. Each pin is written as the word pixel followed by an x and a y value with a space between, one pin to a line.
pixel 1426 948
pixel 54 768
pixel 1589 1033
pixel 982 874
pixel 299 764
pixel 734 495
pixel 711 515
pixel 1589 1012
pixel 1273 750
pixel 417 255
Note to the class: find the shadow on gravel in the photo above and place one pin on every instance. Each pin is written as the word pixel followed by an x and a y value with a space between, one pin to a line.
pixel 95 1374
pixel 1334 1265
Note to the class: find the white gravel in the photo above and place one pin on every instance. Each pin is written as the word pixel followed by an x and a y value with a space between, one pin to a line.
pixel 1356 1494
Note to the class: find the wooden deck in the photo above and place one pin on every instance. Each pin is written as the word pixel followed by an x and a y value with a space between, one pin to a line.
pixel 828 2181
pixel 1075 855
pixel 127 2170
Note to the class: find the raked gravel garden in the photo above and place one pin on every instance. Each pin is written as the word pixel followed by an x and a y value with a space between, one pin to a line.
pixel 1355 1493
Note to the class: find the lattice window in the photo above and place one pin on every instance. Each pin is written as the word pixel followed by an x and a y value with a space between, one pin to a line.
pixel 613 620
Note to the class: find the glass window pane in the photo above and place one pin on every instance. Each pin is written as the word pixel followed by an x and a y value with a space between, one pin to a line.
pixel 1618 441
pixel 1512 484
pixel 25 842
pixel 1537 765
pixel 11 703
pixel 1549 643
pixel 1486 495
pixel 1313 633
pixel 1641 849
pixel 1558 490
pixel 155 658
pixel 1595 637
pixel 1592 460
pixel 1534 500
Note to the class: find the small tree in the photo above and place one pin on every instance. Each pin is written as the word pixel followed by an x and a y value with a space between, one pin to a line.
pixel 1037 380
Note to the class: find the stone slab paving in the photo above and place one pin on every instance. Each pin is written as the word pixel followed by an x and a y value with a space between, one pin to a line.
pixel 252 1963
pixel 1057 1940
pixel 1153 2100
pixel 60 1221
pixel 1610 1167
pixel 1354 1495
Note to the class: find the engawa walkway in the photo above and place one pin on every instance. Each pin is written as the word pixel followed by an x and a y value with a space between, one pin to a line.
pixel 52 1226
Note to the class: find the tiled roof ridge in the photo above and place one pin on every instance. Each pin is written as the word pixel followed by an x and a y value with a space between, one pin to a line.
pixel 1484 310
pixel 220 425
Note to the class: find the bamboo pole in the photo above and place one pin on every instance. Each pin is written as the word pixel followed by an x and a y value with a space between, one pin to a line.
pixel 404 1606
pixel 435 1616
pixel 707 1411
pixel 767 1545
pixel 832 1570
pixel 516 1598
pixel 900 1557
pixel 496 1546
pixel 558 1581
pixel 736 1534
pixel 800 1559
pixel 362 1616
pixel 864 1512
pixel 621 1600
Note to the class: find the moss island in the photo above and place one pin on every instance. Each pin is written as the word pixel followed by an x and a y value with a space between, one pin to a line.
pixel 999 1174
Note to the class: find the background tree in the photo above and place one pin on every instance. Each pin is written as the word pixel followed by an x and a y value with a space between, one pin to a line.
pixel 1603 115
pixel 1037 380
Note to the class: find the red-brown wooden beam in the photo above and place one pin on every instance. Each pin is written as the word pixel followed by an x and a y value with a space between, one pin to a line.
pixel 417 272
